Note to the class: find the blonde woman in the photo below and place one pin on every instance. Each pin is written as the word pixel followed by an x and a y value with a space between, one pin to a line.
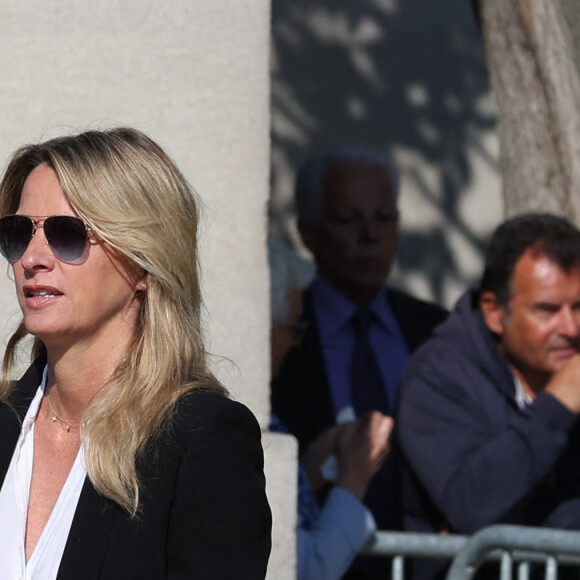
pixel 120 454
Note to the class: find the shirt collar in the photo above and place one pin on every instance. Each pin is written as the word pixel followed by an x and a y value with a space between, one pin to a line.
pixel 335 310
pixel 34 407
pixel 522 398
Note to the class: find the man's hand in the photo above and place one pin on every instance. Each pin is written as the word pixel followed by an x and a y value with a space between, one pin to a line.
pixel 317 453
pixel 565 384
pixel 361 447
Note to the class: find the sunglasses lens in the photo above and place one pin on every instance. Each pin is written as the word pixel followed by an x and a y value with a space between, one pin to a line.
pixel 15 234
pixel 67 236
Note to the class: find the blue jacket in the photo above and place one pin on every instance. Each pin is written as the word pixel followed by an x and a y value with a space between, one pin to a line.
pixel 474 457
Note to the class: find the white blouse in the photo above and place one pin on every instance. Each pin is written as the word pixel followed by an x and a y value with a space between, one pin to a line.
pixel 14 497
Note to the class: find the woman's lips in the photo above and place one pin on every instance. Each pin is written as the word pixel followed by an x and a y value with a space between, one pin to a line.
pixel 36 296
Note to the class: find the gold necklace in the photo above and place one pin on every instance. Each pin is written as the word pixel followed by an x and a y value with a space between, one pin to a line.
pixel 55 417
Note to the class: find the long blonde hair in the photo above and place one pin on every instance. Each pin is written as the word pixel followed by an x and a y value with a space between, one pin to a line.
pixel 134 198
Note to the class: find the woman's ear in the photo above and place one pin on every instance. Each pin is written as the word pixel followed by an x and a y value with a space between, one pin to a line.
pixel 493 313
pixel 141 286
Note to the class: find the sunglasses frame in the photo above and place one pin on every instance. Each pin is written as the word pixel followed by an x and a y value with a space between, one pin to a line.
pixel 39 222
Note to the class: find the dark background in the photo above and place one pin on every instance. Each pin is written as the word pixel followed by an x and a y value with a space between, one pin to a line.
pixel 407 77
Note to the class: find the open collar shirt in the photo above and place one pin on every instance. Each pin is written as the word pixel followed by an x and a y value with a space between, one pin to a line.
pixel 14 497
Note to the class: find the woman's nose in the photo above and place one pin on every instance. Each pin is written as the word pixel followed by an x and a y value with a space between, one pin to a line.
pixel 38 252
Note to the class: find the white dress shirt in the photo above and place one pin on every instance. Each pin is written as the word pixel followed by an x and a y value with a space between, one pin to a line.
pixel 14 496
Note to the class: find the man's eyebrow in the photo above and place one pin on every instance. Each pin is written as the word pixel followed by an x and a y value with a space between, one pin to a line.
pixel 547 305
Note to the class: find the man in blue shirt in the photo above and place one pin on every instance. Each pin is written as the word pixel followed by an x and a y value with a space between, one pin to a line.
pixel 329 536
pixel 348 218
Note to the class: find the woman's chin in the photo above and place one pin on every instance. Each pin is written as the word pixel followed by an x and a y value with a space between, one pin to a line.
pixel 49 334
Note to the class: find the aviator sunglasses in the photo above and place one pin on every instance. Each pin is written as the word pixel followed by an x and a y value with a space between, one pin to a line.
pixel 66 235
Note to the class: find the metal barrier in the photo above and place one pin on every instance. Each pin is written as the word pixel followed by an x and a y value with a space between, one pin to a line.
pixel 402 545
pixel 507 544
pixel 524 545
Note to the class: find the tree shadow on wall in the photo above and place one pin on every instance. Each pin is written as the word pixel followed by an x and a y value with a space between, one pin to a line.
pixel 406 75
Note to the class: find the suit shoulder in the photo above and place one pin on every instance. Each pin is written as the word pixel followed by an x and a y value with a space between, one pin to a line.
pixel 397 298
pixel 417 318
pixel 441 370
pixel 210 411
pixel 434 359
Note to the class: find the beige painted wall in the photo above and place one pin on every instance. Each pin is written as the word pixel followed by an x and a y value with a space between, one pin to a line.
pixel 172 71
pixel 194 75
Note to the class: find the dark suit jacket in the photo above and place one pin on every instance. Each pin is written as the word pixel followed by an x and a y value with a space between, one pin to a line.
pixel 203 508
pixel 301 395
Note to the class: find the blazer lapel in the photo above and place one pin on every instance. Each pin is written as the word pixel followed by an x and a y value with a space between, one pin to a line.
pixel 12 413
pixel 9 432
pixel 89 536
pixel 91 526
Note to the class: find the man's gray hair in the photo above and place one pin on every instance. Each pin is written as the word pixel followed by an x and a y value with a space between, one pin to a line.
pixel 309 189
pixel 288 271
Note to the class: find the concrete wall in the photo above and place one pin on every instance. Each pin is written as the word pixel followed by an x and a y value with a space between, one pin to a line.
pixel 194 75
pixel 172 71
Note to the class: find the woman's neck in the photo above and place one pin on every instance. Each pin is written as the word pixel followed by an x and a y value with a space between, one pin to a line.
pixel 77 376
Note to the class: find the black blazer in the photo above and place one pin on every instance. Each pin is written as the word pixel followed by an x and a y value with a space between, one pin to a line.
pixel 301 395
pixel 204 512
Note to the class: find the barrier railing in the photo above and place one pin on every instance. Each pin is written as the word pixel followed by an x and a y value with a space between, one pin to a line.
pixel 517 544
pixel 510 545
pixel 402 545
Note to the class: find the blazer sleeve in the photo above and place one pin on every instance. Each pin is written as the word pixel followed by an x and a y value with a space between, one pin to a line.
pixel 220 521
